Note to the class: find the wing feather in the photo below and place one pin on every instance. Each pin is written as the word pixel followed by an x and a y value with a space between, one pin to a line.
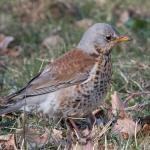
pixel 70 69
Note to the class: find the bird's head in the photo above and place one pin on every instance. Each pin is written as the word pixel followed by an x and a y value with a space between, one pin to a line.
pixel 101 38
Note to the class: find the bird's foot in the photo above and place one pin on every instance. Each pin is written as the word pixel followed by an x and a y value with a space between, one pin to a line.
pixel 82 129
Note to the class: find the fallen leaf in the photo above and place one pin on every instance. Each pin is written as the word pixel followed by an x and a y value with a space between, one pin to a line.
pixel 53 42
pixel 7 142
pixel 57 135
pixel 35 11
pixel 5 41
pixel 123 18
pixel 146 129
pixel 84 23
pixel 11 52
pixel 64 8
pixel 31 11
pixel 117 106
pixel 34 137
pixel 126 127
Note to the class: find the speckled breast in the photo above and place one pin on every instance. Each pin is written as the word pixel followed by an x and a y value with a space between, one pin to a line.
pixel 93 90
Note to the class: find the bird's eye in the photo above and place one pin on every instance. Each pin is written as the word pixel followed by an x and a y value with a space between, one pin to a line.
pixel 108 37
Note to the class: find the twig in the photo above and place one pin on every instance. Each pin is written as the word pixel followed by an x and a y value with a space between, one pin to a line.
pixel 132 95
pixel 136 107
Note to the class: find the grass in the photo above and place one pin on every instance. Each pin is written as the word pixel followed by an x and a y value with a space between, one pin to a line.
pixel 131 62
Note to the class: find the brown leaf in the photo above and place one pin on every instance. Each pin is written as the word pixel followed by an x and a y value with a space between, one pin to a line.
pixel 7 142
pixel 14 52
pixel 117 106
pixel 146 129
pixel 53 42
pixel 63 8
pixel 34 11
pixel 126 127
pixel 31 11
pixel 145 121
pixel 34 137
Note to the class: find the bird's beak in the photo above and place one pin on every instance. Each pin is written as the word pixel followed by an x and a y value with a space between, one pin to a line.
pixel 122 38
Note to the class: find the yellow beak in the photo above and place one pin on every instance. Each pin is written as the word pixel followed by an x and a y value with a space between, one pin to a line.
pixel 123 38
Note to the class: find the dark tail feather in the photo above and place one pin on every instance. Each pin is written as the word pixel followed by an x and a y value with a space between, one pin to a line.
pixel 12 107
pixel 4 100
pixel 12 102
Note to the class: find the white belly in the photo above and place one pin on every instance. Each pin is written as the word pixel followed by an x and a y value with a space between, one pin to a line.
pixel 47 104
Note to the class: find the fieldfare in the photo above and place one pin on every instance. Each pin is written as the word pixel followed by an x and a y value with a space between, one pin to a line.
pixel 74 84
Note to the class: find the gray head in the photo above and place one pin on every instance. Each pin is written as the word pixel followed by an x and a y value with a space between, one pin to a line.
pixel 100 38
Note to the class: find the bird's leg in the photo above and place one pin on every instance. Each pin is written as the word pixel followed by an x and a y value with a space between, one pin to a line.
pixel 68 136
pixel 82 134
pixel 92 120
pixel 75 128
pixel 81 139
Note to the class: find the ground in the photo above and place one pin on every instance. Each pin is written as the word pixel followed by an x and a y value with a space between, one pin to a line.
pixel 43 30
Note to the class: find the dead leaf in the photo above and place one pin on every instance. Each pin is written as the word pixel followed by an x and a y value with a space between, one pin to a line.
pixel 117 106
pixel 57 135
pixel 84 23
pixel 5 41
pixel 123 18
pixel 11 52
pixel 63 8
pixel 53 42
pixel 34 137
pixel 4 50
pixel 7 142
pixel 146 129
pixel 31 11
pixel 34 11
pixel 126 127
pixel 145 121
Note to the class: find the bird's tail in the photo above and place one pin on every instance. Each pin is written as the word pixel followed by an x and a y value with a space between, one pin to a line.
pixel 11 103
pixel 12 97
pixel 11 108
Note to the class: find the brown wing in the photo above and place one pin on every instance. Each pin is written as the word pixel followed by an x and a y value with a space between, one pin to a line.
pixel 70 69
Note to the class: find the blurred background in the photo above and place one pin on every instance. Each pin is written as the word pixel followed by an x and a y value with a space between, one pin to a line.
pixel 34 32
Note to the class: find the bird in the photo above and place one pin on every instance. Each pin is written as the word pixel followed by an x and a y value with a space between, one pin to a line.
pixel 74 84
